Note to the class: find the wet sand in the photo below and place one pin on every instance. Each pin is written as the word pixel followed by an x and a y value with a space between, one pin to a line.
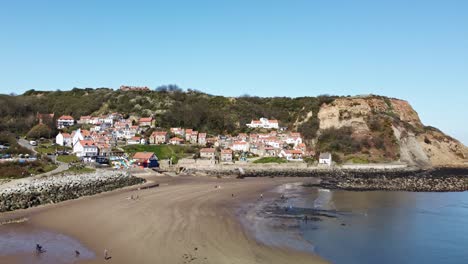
pixel 185 220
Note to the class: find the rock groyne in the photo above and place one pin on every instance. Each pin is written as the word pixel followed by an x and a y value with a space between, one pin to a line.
pixel 61 188
pixel 417 180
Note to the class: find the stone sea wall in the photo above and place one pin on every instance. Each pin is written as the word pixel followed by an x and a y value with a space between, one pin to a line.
pixel 405 179
pixel 60 188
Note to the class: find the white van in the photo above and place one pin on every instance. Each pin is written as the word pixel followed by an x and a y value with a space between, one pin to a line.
pixel 33 143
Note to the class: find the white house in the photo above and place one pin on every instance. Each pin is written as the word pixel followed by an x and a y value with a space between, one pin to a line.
pixel 325 158
pixel 240 146
pixel 294 139
pixel 136 140
pixel 292 155
pixel 85 148
pixel 264 123
pixel 176 141
pixel 65 121
pixel 207 153
pixel 77 136
pixel 63 139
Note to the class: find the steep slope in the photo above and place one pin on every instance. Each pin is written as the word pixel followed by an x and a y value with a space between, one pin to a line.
pixel 390 129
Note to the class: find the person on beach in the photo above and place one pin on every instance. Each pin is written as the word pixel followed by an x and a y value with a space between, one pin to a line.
pixel 106 254
pixel 39 249
pixel 261 196
pixel 77 253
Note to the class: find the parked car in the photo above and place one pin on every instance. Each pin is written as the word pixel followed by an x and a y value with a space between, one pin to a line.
pixel 33 143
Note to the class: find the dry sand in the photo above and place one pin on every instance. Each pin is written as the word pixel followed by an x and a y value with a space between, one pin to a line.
pixel 185 220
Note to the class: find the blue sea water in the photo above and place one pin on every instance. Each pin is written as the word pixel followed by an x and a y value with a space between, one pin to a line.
pixel 388 227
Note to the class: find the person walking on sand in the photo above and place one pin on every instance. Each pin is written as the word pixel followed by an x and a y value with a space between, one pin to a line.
pixel 261 196
pixel 77 253
pixel 106 254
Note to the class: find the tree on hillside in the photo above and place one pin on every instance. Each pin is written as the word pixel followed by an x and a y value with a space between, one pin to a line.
pixel 39 131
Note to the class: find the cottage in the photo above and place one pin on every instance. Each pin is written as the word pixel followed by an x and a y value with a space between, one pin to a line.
pixel 84 120
pixel 85 148
pixel 202 139
pixel 176 141
pixel 188 134
pixel 325 158
pixel 207 153
pixel 136 141
pixel 146 159
pixel 45 118
pixel 264 123
pixel 65 121
pixel 146 122
pixel 226 155
pixel 241 146
pixel 177 131
pixel 159 137
pixel 194 137
pixel 63 139
pixel 291 155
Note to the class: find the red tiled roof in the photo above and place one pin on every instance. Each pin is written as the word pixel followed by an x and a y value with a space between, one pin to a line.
pixel 66 117
pixel 87 143
pixel 226 151
pixel 143 155
pixel 207 150
pixel 146 119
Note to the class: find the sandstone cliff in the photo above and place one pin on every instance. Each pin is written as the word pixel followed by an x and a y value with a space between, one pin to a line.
pixel 386 129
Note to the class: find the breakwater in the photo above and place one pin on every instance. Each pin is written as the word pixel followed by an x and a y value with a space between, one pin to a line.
pixel 406 179
pixel 55 189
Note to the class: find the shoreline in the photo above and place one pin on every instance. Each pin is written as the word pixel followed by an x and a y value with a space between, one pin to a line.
pixel 184 220
pixel 446 179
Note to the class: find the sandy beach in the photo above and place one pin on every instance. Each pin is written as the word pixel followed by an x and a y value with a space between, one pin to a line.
pixel 184 220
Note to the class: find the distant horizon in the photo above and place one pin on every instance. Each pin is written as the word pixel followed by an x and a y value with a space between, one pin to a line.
pixel 413 50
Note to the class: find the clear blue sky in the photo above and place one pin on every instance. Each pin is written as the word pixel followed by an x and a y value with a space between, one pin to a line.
pixel 415 50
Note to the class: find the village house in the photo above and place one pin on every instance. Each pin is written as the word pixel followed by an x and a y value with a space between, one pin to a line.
pixel 104 149
pixel 294 139
pixel 84 120
pixel 194 137
pixel 146 159
pixel 135 141
pixel 240 146
pixel 65 121
pixel 45 117
pixel 78 135
pixel 85 148
pixel 63 139
pixel 207 153
pixel 325 159
pixel 270 152
pixel 264 123
pixel 291 155
pixel 159 137
pixel 176 141
pixel 177 131
pixel 226 155
pixel 273 142
pixel 202 139
pixel 188 134
pixel 145 122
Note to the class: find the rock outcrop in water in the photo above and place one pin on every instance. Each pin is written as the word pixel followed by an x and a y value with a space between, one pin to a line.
pixel 61 188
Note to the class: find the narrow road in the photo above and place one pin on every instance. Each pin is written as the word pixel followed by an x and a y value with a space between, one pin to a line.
pixel 24 143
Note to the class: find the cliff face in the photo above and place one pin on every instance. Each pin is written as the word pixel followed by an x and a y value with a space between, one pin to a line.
pixel 390 129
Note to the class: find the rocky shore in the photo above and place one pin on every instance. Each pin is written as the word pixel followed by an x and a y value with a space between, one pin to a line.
pixel 406 179
pixel 55 189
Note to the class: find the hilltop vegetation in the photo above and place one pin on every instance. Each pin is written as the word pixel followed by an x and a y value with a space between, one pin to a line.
pixel 169 105
pixel 357 129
